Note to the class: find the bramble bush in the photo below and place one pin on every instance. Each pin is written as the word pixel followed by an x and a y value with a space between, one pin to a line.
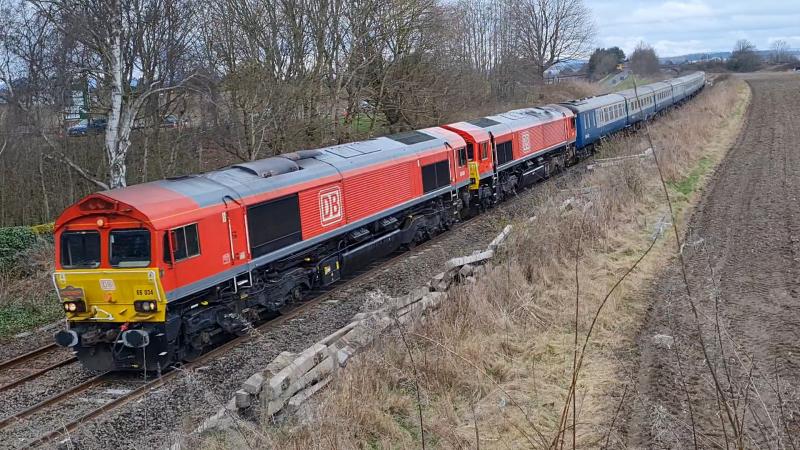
pixel 13 242
pixel 16 241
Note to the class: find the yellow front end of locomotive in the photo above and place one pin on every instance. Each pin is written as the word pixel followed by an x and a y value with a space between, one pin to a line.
pixel 111 295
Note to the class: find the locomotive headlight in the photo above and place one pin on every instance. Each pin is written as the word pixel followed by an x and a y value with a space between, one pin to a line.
pixel 146 306
pixel 74 306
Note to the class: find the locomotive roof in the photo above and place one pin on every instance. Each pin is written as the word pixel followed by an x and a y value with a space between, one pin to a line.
pixel 359 154
pixel 514 120
pixel 164 201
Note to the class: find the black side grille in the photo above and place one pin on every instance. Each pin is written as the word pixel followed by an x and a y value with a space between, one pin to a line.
pixel 484 122
pixel 410 137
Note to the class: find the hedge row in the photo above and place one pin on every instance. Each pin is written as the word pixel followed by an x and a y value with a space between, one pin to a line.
pixel 15 241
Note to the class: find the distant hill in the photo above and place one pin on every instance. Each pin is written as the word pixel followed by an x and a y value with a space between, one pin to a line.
pixel 694 57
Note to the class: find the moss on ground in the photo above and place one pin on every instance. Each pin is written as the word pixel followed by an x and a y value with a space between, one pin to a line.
pixel 690 182
pixel 15 318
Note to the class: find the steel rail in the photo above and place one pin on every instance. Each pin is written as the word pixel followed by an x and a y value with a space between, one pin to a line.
pixel 37 374
pixel 24 357
pixel 27 412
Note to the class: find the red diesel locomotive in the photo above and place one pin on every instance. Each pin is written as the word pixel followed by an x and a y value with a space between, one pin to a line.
pixel 157 273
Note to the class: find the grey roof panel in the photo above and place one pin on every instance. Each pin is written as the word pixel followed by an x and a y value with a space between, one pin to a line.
pixel 590 103
pixel 269 167
pixel 410 137
pixel 483 122
pixel 374 151
pixel 640 91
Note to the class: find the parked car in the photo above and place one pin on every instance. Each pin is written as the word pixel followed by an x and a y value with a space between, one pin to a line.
pixel 170 121
pixel 87 126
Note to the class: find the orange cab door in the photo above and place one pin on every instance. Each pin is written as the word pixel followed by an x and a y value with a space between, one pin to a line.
pixel 167 264
pixel 236 221
pixel 460 164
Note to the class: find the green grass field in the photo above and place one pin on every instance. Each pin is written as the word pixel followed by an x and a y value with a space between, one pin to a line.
pixel 364 123
pixel 628 83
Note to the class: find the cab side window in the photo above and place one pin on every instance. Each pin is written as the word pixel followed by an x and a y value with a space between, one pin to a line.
pixel 185 243
pixel 484 150
pixel 462 157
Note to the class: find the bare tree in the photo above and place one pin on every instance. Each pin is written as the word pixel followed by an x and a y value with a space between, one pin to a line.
pixel 124 47
pixel 552 31
pixel 780 53
pixel 643 60
pixel 255 77
pixel 744 57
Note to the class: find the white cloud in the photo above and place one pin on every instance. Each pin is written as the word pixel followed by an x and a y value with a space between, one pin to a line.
pixel 793 41
pixel 670 12
pixel 675 27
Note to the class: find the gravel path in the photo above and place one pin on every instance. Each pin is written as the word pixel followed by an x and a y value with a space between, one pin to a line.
pixel 155 420
pixel 743 256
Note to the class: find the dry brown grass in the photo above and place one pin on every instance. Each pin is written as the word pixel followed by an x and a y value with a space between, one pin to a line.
pixel 495 362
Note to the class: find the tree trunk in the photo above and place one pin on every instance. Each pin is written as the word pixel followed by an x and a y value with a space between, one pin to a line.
pixel 116 149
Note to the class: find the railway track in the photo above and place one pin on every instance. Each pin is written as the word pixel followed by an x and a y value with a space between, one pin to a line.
pixel 128 390
pixel 32 365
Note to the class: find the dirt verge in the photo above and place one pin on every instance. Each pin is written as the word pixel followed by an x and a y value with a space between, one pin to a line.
pixel 725 369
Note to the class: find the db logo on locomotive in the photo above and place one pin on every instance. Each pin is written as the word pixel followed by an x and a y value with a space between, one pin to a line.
pixel 330 206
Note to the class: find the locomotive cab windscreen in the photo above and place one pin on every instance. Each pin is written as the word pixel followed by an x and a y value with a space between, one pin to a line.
pixel 127 248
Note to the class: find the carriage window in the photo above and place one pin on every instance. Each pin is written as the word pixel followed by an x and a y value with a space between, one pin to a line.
pixel 185 243
pixel 129 248
pixel 80 249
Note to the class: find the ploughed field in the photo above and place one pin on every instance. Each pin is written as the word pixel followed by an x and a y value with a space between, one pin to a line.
pixel 742 254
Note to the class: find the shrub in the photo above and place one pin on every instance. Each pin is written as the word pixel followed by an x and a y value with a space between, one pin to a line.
pixel 44 230
pixel 13 242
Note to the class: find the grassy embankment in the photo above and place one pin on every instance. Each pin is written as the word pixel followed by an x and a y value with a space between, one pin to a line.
pixel 495 363
pixel 27 299
pixel 628 83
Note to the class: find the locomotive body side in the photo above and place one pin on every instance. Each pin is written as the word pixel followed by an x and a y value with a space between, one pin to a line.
pixel 206 252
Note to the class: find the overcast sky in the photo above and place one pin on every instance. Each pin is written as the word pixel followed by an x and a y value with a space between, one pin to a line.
pixel 691 26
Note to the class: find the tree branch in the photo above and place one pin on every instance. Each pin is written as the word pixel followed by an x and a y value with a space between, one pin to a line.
pixel 58 156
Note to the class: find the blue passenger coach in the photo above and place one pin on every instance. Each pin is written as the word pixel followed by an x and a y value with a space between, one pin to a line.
pixel 601 116
pixel 597 117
